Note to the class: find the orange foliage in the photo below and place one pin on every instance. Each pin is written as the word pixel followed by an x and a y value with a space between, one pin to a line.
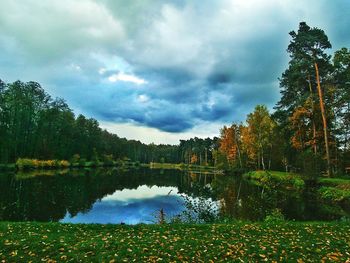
pixel 194 159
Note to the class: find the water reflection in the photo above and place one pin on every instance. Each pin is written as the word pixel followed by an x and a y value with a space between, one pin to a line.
pixel 114 196
pixel 132 206
pixel 80 193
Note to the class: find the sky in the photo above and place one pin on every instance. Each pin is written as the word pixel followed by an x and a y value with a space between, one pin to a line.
pixel 160 70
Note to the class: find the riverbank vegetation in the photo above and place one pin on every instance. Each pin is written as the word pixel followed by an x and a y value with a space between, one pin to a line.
pixel 241 241
pixel 335 189
pixel 276 179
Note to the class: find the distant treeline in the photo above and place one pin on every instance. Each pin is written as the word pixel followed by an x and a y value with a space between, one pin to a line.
pixel 34 125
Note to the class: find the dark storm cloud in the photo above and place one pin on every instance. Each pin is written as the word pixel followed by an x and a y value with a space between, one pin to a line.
pixel 170 65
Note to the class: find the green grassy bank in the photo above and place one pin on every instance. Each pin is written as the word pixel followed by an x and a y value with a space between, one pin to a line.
pixel 335 189
pixel 275 178
pixel 285 241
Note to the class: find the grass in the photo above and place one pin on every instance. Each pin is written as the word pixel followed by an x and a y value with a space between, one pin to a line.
pixel 275 178
pixel 287 241
pixel 335 189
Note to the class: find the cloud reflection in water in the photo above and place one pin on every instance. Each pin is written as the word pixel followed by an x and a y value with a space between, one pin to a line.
pixel 132 206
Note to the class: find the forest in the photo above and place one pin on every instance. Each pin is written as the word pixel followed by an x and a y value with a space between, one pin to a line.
pixel 34 125
pixel 308 131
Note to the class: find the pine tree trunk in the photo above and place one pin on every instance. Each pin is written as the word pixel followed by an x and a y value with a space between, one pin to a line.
pixel 324 120
pixel 314 143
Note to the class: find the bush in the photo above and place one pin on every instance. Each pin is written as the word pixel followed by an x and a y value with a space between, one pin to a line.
pixel 24 164
pixel 199 210
pixel 75 158
pixel 275 216
pixel 334 194
pixel 64 163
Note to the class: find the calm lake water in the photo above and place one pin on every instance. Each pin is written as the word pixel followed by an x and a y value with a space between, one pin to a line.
pixel 136 196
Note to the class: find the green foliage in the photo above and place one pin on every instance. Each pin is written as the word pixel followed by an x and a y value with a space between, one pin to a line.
pixel 334 194
pixel 199 210
pixel 107 159
pixel 272 179
pixel 35 126
pixel 275 216
pixel 311 164
pixel 334 189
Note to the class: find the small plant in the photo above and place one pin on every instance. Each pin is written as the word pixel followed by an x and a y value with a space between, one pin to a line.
pixel 275 216
pixel 161 217
pixel 199 210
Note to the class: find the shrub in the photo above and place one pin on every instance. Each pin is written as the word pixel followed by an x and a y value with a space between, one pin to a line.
pixel 25 163
pixel 75 158
pixel 64 163
pixel 275 216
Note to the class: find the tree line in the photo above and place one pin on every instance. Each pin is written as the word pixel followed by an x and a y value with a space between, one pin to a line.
pixel 309 130
pixel 34 125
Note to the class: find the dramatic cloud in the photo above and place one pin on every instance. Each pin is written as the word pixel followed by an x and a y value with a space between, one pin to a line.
pixel 169 65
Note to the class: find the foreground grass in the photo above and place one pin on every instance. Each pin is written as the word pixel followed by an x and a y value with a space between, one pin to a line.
pixel 275 178
pixel 291 242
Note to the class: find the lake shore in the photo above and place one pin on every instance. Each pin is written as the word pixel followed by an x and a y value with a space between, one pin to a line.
pixel 279 241
pixel 32 164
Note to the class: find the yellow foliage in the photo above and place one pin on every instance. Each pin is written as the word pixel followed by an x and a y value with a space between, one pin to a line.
pixel 25 163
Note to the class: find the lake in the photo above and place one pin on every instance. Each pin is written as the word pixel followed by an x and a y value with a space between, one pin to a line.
pixel 137 196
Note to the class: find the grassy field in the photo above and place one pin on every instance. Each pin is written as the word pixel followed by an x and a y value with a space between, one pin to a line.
pixel 284 241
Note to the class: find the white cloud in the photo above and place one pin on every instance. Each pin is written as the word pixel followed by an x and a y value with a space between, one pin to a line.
pixel 49 30
pixel 127 78
pixel 102 71
pixel 142 98
pixel 142 192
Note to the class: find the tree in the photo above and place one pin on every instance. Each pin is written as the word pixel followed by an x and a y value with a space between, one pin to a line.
pixel 308 69
pixel 257 137
pixel 230 144
pixel 341 102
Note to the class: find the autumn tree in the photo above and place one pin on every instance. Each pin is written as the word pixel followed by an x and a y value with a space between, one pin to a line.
pixel 230 145
pixel 258 136
pixel 302 86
